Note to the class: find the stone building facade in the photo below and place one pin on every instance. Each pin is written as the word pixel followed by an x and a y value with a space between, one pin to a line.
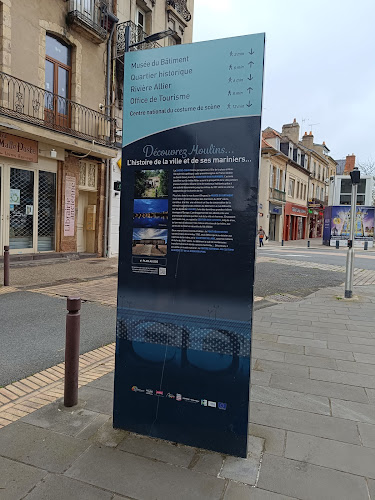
pixel 283 189
pixel 294 180
pixel 60 124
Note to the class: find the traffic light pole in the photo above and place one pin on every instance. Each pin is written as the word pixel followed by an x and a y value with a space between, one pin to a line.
pixel 350 255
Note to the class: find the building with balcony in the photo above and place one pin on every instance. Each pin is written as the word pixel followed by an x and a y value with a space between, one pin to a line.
pixel 283 188
pixel 315 158
pixel 55 141
pixel 61 117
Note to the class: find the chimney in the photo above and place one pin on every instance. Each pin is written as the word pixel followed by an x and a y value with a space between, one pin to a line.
pixel 291 130
pixel 349 164
pixel 308 140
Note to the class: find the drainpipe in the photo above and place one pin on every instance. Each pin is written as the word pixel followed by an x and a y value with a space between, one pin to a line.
pixel 114 20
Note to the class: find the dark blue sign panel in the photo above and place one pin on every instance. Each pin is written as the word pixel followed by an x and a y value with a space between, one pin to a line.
pixel 191 141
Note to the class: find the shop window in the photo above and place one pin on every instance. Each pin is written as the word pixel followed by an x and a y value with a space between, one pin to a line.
pixel 21 224
pixel 88 175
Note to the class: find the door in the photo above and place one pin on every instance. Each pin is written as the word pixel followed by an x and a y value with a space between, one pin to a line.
pixel 300 228
pixel 46 211
pixel 57 107
pixel 291 224
pixel 27 209
pixel 21 209
pixel 83 201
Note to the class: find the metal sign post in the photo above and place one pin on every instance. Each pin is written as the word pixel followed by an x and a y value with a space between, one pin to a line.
pixel 355 176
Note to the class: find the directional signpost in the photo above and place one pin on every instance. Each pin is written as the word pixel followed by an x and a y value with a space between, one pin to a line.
pixel 191 142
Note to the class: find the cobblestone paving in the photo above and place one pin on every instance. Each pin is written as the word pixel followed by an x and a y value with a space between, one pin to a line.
pixel 103 291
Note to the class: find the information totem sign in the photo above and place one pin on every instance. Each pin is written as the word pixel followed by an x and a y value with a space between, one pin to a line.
pixel 191 142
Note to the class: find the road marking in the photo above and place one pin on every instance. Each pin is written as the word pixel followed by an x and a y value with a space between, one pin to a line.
pixel 312 251
pixel 287 254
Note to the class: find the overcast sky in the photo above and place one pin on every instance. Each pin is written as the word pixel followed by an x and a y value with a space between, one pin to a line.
pixel 319 67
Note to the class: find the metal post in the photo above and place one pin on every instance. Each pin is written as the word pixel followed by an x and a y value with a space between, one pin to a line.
pixel 350 255
pixel 6 266
pixel 127 38
pixel 308 243
pixel 337 244
pixel 72 351
pixel 282 243
pixel 365 247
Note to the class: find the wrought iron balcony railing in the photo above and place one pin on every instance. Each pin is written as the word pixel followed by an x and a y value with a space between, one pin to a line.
pixel 180 7
pixel 90 16
pixel 136 35
pixel 32 104
pixel 316 201
pixel 276 194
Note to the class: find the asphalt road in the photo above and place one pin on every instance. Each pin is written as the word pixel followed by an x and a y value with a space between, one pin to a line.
pixel 32 325
pixel 32 330
pixel 273 279
pixel 363 259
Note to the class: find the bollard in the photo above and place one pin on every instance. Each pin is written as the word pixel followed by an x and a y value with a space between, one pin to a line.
pixel 6 265
pixel 337 244
pixel 282 243
pixel 365 246
pixel 72 351
pixel 308 243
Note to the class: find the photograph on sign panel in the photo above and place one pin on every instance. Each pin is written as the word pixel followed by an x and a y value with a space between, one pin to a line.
pixel 150 241
pixel 150 213
pixel 151 184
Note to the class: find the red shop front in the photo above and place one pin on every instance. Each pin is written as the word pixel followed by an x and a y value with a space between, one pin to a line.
pixel 295 218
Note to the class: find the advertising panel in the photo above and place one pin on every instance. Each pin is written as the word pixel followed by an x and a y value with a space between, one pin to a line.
pixel 191 142
pixel 340 223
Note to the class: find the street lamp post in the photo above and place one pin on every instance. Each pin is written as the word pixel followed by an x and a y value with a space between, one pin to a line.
pixel 355 177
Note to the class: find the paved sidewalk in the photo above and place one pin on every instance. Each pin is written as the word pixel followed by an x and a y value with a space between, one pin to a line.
pixel 60 272
pixel 312 424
